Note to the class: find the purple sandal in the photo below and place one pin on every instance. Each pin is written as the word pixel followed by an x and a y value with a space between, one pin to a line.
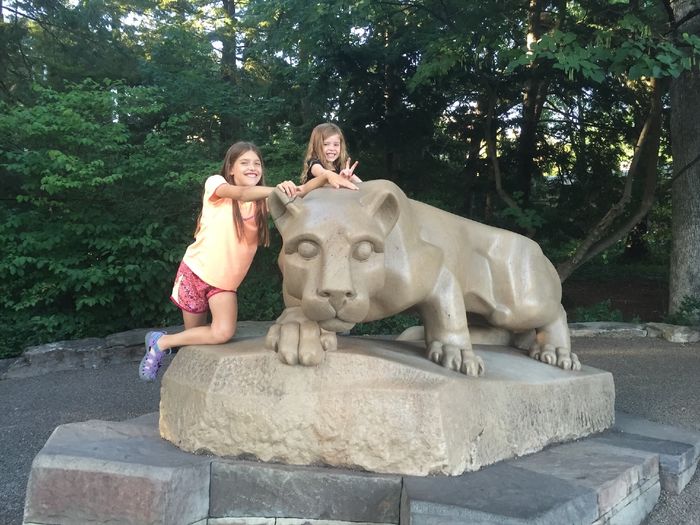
pixel 150 364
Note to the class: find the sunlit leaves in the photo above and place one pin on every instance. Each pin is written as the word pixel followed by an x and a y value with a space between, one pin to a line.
pixel 631 46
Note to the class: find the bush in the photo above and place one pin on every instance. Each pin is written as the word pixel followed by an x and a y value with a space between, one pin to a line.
pixel 95 221
pixel 688 312
pixel 390 326
pixel 260 293
pixel 602 311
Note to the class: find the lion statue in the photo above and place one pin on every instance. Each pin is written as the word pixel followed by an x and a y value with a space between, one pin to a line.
pixel 355 256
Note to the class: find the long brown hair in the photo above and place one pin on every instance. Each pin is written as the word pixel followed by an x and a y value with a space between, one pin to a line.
pixel 315 149
pixel 235 151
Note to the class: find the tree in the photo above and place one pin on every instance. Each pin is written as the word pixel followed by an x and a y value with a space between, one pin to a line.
pixel 685 115
pixel 101 179
pixel 519 114
pixel 609 45
pixel 80 247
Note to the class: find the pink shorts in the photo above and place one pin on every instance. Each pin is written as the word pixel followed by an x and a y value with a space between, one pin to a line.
pixel 190 293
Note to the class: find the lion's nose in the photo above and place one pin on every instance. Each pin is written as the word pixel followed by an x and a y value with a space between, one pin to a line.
pixel 336 297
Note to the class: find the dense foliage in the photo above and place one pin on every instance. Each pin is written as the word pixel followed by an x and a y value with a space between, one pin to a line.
pixel 112 113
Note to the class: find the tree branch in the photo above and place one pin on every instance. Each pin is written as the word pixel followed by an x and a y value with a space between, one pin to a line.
pixel 644 166
pixel 684 169
pixel 490 137
pixel 690 15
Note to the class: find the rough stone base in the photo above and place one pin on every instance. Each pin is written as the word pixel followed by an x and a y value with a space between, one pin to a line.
pixel 377 405
pixel 105 472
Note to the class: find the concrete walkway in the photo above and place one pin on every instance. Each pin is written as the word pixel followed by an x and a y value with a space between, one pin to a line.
pixel 654 379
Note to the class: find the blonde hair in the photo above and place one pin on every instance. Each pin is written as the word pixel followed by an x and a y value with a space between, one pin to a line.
pixel 235 151
pixel 315 149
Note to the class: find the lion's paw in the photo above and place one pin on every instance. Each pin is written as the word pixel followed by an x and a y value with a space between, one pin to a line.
pixel 561 357
pixel 472 364
pixel 455 358
pixel 300 342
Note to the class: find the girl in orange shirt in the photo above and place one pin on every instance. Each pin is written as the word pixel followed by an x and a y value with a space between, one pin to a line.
pixel 232 224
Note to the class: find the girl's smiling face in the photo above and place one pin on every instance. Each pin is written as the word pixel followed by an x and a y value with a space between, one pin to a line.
pixel 247 170
pixel 331 148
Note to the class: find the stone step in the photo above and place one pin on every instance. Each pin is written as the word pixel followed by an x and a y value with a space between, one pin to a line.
pixel 102 472
pixel 678 449
pixel 576 483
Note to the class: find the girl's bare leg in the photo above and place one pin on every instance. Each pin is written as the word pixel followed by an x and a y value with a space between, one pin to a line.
pixel 224 314
pixel 191 320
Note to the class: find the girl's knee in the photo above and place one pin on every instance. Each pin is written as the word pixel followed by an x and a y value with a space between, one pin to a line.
pixel 222 333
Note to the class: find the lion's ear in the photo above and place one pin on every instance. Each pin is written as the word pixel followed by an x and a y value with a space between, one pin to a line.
pixel 282 209
pixel 383 206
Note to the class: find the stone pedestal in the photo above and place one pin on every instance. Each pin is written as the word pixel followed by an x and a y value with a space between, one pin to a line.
pixel 376 405
pixel 105 472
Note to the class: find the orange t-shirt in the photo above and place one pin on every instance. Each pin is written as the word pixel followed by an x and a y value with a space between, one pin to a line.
pixel 217 255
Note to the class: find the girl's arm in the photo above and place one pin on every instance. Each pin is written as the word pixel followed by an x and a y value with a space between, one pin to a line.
pixel 254 193
pixel 318 171
pixel 323 178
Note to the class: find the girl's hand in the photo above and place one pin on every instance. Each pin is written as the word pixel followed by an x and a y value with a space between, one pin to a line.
pixel 289 188
pixel 338 181
pixel 348 170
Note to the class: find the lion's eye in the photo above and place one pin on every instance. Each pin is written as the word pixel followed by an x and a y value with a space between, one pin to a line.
pixel 307 249
pixel 362 251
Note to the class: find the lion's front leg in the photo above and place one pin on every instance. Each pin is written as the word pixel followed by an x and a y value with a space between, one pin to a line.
pixel 299 340
pixel 552 344
pixel 446 331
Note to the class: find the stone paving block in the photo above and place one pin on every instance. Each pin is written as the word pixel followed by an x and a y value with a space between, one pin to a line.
pixel 122 347
pixel 296 521
pixel 673 455
pixel 677 459
pixel 242 488
pixel 634 508
pixel 501 494
pixel 103 471
pixel 673 333
pixel 241 521
pixel 636 425
pixel 610 329
pixel 116 472
pixel 613 473
pixel 60 355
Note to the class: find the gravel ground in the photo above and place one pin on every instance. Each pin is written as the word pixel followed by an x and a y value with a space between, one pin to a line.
pixel 659 381
pixel 31 408
pixel 654 379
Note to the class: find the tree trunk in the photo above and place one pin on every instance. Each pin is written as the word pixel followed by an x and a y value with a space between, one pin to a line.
pixel 490 134
pixel 534 97
pixel 542 17
pixel 391 108
pixel 231 127
pixel 472 164
pixel 685 115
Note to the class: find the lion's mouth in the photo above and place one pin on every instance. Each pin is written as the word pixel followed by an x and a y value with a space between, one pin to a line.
pixel 336 325
pixel 329 318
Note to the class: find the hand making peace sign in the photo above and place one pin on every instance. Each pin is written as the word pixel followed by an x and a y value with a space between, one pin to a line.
pixel 347 171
